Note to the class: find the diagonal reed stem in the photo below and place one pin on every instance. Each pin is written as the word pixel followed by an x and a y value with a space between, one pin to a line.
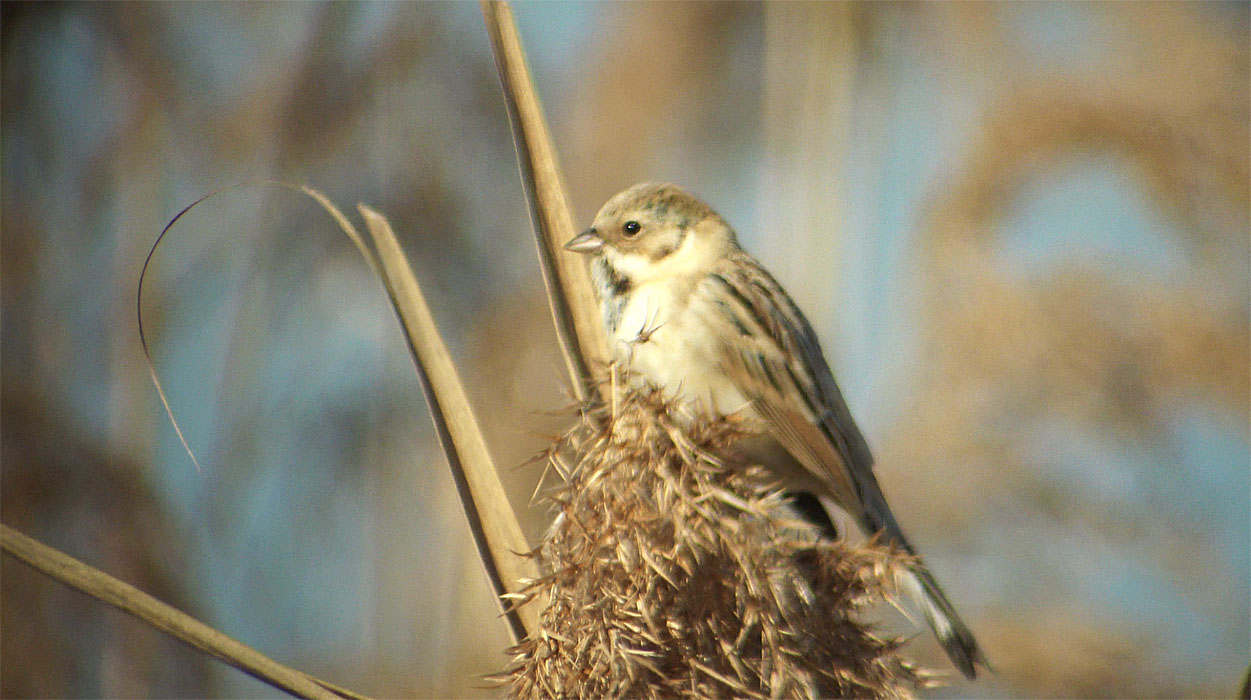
pixel 166 618
pixel 497 532
pixel 569 291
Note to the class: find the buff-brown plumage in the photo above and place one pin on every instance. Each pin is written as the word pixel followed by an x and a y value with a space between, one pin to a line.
pixel 687 311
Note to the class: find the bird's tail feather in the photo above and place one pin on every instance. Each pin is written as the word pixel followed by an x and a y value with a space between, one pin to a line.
pixel 916 582
pixel 922 590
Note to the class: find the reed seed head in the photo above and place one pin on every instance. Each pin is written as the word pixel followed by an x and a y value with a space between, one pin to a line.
pixel 671 571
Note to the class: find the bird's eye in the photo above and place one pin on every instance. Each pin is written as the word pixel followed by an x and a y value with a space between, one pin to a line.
pixel 632 228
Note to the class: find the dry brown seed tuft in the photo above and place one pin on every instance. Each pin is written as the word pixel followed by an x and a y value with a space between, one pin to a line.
pixel 673 573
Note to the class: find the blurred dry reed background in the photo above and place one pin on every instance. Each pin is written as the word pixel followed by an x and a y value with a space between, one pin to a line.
pixel 1020 230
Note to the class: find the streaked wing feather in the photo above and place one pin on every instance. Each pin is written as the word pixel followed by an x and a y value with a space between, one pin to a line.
pixel 778 364
pixel 811 448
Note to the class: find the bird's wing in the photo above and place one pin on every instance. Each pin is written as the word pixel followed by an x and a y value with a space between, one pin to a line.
pixel 775 360
pixel 772 356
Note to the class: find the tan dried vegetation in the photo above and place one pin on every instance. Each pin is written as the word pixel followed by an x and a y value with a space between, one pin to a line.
pixel 672 572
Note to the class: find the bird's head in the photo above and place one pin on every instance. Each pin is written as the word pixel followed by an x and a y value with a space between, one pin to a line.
pixel 653 231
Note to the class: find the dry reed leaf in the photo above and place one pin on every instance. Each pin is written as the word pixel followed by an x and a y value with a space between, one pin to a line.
pixel 570 294
pixel 494 524
pixel 672 573
pixel 497 532
pixel 166 618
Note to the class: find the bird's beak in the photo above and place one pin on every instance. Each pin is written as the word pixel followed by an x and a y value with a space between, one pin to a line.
pixel 586 242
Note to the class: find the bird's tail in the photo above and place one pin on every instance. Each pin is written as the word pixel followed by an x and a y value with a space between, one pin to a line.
pixel 918 584
pixel 919 587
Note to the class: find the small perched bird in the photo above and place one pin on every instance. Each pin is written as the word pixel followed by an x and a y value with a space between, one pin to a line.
pixel 691 313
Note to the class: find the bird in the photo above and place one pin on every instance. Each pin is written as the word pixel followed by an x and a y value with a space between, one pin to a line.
pixel 688 311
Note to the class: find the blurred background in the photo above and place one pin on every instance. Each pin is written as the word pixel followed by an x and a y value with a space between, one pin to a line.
pixel 1021 231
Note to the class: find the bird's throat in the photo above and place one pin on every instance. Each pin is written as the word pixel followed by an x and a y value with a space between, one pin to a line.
pixel 614 291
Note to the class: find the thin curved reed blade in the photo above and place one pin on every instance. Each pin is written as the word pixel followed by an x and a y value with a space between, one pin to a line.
pixel 494 525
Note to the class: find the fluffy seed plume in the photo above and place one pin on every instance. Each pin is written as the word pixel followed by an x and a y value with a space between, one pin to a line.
pixel 671 573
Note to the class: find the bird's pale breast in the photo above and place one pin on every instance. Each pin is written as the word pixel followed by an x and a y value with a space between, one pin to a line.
pixel 671 336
